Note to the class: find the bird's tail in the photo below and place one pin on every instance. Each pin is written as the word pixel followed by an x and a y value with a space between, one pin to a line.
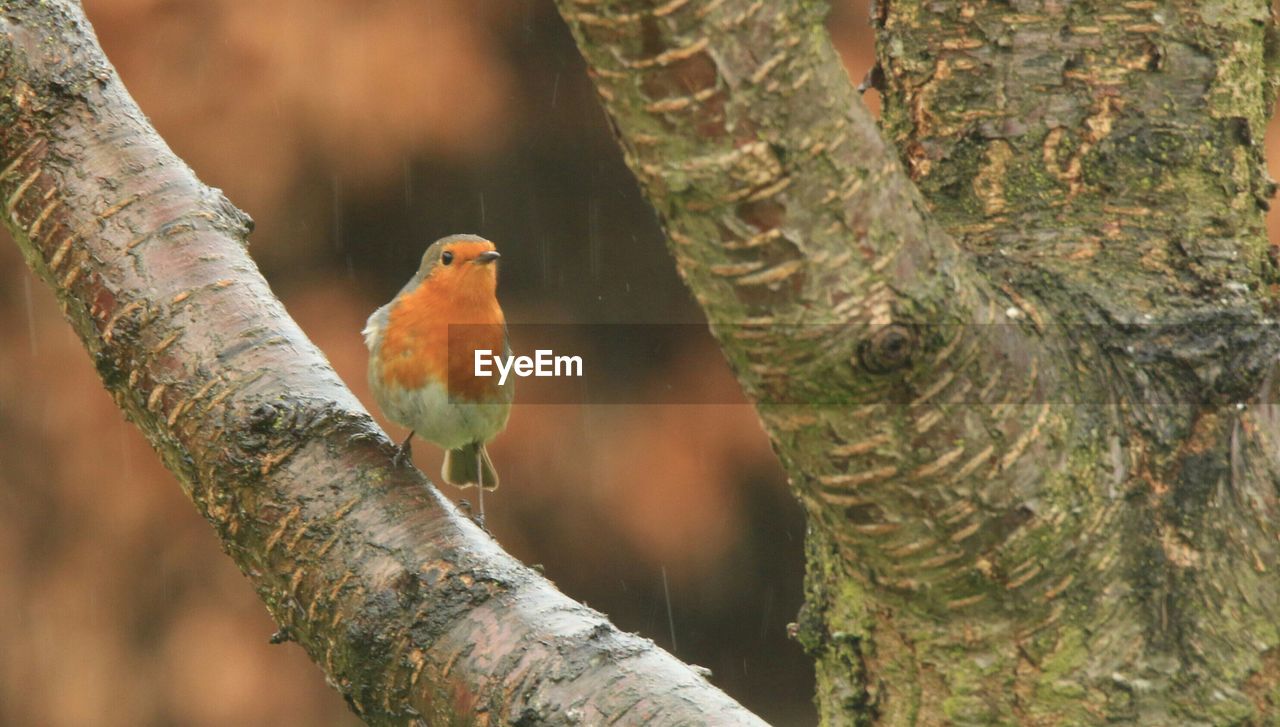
pixel 469 465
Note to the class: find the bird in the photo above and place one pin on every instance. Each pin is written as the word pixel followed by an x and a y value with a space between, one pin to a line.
pixel 421 358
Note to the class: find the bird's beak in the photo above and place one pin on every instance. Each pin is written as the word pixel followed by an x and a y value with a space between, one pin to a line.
pixel 487 257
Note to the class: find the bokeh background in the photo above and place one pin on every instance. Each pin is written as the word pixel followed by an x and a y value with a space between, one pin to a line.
pixel 355 132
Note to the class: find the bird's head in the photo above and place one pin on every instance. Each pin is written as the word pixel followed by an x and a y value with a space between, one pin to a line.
pixel 461 264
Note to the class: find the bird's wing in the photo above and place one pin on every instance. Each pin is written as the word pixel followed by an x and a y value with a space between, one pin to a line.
pixel 508 389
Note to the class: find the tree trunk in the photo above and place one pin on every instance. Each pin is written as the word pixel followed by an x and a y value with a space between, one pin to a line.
pixel 414 613
pixel 1029 413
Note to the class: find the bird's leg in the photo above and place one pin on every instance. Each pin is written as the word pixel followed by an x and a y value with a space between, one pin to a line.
pixel 480 483
pixel 404 453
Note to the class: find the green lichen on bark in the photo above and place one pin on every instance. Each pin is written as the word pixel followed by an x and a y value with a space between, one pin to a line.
pixel 1106 161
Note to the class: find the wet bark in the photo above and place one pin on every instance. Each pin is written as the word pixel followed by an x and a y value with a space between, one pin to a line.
pixel 413 613
pixel 1029 412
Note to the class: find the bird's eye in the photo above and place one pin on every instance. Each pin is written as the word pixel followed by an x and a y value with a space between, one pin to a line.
pixel 446 257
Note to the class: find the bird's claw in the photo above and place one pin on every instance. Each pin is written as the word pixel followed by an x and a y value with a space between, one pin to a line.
pixel 477 518
pixel 403 455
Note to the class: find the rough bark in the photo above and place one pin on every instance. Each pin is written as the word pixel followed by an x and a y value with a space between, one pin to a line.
pixel 413 613
pixel 1039 449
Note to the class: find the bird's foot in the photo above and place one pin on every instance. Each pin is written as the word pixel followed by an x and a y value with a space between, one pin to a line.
pixel 404 453
pixel 477 518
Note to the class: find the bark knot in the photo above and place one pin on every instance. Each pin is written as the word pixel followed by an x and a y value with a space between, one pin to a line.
pixel 888 348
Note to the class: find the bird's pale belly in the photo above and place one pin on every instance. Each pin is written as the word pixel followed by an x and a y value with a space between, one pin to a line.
pixel 430 413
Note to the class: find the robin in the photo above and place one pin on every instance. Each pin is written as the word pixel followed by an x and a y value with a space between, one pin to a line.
pixel 422 351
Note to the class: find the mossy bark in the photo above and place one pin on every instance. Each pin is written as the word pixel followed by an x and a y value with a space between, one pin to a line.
pixel 1029 412
pixel 415 615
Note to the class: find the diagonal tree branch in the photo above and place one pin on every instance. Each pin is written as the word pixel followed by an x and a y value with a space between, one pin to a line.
pixel 414 614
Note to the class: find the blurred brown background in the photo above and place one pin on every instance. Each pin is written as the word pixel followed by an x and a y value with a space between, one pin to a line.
pixel 355 132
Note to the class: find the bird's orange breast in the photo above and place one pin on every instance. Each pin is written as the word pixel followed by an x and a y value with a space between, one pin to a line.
pixel 432 335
